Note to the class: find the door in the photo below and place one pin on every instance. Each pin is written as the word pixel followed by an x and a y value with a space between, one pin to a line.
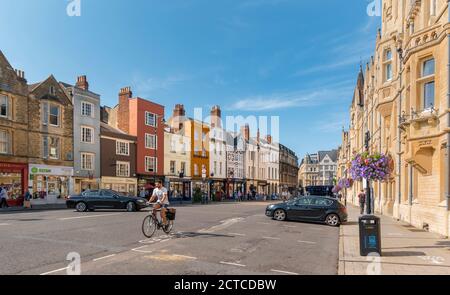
pixel 108 200
pixel 301 209
pixel 52 191
pixel 319 207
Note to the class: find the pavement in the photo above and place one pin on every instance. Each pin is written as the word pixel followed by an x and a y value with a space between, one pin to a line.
pixel 216 239
pixel 405 250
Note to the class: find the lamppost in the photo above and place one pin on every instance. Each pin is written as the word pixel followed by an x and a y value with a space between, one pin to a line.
pixel 368 190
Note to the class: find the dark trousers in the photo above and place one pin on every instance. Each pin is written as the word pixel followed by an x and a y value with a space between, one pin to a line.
pixel 361 205
pixel 3 203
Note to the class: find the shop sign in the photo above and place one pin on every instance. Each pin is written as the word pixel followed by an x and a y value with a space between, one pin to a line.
pixel 50 170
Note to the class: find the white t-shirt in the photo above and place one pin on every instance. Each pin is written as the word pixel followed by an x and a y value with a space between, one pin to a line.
pixel 159 193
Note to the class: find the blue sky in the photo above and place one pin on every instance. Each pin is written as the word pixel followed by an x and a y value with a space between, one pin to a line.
pixel 296 59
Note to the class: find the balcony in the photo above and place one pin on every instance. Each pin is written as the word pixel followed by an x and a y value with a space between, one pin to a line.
pixel 427 116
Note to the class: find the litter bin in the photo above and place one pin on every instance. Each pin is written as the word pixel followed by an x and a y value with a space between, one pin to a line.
pixel 369 235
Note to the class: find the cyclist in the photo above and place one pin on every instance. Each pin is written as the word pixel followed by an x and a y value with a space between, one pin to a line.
pixel 162 200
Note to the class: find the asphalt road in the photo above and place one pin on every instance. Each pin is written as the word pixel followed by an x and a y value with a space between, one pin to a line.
pixel 223 239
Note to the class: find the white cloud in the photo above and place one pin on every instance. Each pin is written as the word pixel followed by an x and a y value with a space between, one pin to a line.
pixel 148 85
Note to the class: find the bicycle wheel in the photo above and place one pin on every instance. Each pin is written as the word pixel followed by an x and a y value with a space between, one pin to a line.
pixel 168 228
pixel 149 226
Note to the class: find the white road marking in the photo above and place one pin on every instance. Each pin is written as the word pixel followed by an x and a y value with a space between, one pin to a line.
pixel 239 235
pixel 284 272
pixel 271 238
pixel 138 249
pixel 53 271
pixel 187 257
pixel 307 242
pixel 104 257
pixel 89 216
pixel 224 224
pixel 232 263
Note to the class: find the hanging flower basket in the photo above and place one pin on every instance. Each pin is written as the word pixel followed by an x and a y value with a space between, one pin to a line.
pixel 346 182
pixel 337 188
pixel 371 167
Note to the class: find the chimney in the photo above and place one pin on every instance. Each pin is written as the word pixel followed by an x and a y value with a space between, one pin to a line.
pixel 269 138
pixel 82 83
pixel 245 131
pixel 123 115
pixel 20 74
pixel 179 114
pixel 216 117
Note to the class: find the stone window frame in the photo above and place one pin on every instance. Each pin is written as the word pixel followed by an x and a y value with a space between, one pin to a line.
pixel 7 142
pixel 172 167
pixel 423 80
pixel 58 117
pixel 8 106
pixel 388 65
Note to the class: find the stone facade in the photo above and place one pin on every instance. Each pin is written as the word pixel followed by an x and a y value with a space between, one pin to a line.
pixel 401 108
pixel 288 170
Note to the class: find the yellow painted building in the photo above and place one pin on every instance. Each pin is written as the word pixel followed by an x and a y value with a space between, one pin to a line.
pixel 402 101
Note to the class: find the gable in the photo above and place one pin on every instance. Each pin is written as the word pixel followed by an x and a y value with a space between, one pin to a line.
pixel 9 80
pixel 43 91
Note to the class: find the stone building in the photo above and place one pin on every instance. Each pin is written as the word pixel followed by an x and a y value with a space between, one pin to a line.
pixel 318 169
pixel 86 131
pixel 218 154
pixel 14 142
pixel 288 170
pixel 235 163
pixel 401 108
pixel 50 137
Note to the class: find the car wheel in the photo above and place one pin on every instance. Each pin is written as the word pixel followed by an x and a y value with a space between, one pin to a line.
pixel 81 207
pixel 279 215
pixel 131 207
pixel 332 220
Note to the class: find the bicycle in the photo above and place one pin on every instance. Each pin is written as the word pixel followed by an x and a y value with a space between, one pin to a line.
pixel 151 223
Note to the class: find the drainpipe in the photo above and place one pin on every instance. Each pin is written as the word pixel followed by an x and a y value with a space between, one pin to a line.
pixel 399 168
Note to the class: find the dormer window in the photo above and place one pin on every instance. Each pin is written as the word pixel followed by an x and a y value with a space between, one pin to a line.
pixel 52 90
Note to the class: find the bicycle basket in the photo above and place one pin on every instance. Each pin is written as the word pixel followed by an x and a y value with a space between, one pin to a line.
pixel 171 214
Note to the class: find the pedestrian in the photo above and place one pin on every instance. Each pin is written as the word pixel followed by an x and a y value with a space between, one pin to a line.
pixel 27 200
pixel 362 201
pixel 3 196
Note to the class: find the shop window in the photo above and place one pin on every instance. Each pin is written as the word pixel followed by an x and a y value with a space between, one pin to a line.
pixel 4 142
pixel 150 119
pixel 122 148
pixel 87 161
pixel 150 164
pixel 123 169
pixel 54 115
pixel 87 109
pixel 87 134
pixel 4 106
pixel 150 141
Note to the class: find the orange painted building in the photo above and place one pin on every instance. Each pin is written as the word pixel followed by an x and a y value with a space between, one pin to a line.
pixel 200 170
pixel 145 120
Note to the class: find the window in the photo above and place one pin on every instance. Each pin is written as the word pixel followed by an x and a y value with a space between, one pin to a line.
pixel 53 148
pixel 150 141
pixel 4 142
pixel 87 134
pixel 183 167
pixel 87 109
pixel 428 71
pixel 87 161
pixel 173 146
pixel 123 169
pixel 172 167
pixel 150 164
pixel 54 115
pixel 52 90
pixel 195 169
pixel 388 65
pixel 196 135
pixel 150 119
pixel 4 106
pixel 215 167
pixel 220 168
pixel 122 148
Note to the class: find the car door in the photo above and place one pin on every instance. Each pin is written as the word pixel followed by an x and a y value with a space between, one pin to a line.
pixel 318 208
pixel 109 200
pixel 93 199
pixel 300 209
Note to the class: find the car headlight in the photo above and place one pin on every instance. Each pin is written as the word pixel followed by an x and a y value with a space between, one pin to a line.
pixel 270 207
pixel 141 201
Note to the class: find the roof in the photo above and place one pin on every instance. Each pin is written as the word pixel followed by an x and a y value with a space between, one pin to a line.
pixel 106 129
pixel 333 155
pixel 67 85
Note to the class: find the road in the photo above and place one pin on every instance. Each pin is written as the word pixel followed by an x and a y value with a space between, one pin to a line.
pixel 225 239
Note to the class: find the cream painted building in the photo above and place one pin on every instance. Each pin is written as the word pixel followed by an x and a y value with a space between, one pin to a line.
pixel 401 108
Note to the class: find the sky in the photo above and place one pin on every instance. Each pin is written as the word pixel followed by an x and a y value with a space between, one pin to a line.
pixel 296 59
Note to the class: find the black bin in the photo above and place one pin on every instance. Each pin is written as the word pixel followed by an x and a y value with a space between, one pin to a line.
pixel 369 235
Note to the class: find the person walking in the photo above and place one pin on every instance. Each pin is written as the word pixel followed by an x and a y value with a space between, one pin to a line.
pixel 3 197
pixel 362 201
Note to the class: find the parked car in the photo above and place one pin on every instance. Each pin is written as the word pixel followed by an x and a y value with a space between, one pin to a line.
pixel 311 208
pixel 105 199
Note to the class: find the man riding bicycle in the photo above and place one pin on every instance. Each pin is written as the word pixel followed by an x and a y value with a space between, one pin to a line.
pixel 162 200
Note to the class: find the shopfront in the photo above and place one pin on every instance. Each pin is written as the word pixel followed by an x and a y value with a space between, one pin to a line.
pixel 82 184
pixel 179 189
pixel 14 178
pixel 218 190
pixel 50 184
pixel 235 186
pixel 127 186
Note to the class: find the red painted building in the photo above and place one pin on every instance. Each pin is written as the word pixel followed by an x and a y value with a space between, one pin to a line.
pixel 145 120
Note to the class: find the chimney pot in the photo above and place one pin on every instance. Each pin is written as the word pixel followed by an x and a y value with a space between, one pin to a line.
pixel 82 82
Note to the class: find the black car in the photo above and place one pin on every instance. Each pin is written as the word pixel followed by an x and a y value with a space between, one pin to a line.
pixel 105 199
pixel 311 208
